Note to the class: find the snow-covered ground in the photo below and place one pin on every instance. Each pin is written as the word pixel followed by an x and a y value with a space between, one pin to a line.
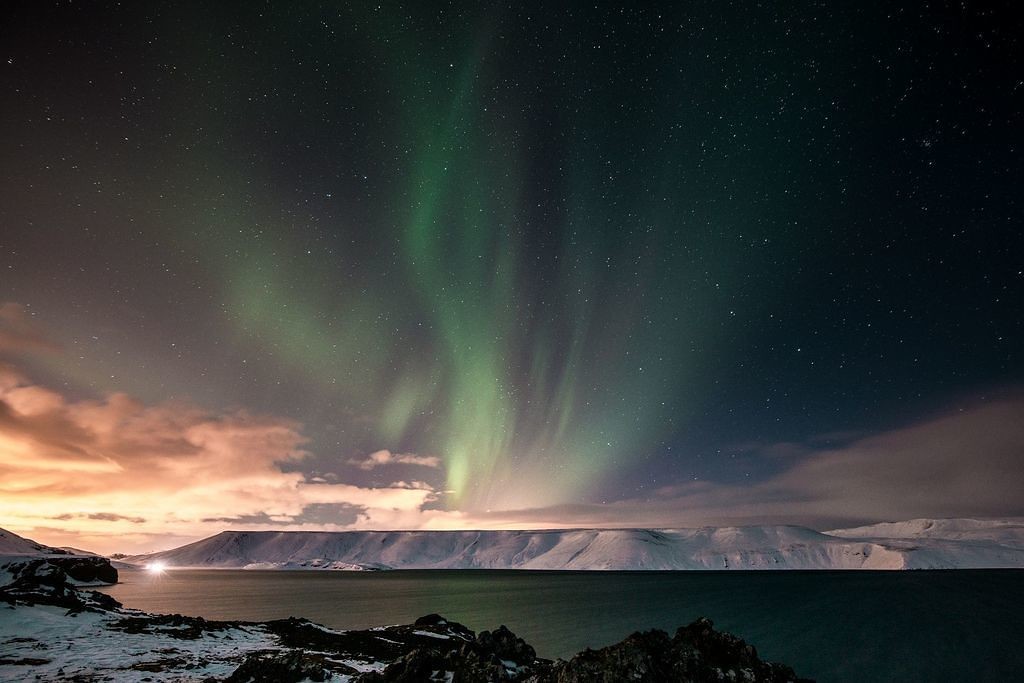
pixel 917 544
pixel 52 631
pixel 53 645
pixel 48 631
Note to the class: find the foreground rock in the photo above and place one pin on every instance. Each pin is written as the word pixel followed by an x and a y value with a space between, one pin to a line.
pixel 696 653
pixel 49 574
pixel 55 581
pixel 49 630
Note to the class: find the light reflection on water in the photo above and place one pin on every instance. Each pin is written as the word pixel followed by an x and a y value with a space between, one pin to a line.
pixel 833 626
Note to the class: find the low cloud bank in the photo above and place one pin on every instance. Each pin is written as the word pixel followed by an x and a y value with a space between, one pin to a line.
pixel 115 474
pixel 967 462
pixel 98 468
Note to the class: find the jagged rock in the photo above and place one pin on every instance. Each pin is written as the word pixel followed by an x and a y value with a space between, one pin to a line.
pixel 640 657
pixel 280 667
pixel 45 581
pixel 176 626
pixel 416 666
pixel 696 653
pixel 87 569
pixel 462 666
pixel 55 571
pixel 461 658
pixel 506 646
pixel 431 620
pixel 101 601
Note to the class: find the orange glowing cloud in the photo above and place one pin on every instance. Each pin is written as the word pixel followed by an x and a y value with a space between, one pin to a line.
pixel 115 474
pixel 99 469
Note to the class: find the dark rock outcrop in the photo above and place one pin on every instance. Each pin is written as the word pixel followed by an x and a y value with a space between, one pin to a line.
pixel 697 653
pixel 176 626
pixel 83 569
pixel 53 581
pixel 281 667
pixel 86 569
pixel 506 646
pixel 461 657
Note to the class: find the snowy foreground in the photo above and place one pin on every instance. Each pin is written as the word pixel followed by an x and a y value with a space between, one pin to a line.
pixel 51 630
pixel 916 544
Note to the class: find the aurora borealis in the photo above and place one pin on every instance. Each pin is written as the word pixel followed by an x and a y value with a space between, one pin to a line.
pixel 390 265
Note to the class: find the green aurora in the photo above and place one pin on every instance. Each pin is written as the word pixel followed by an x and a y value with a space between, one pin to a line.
pixel 576 253
pixel 502 337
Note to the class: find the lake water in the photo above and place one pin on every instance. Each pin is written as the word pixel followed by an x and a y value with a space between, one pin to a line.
pixel 831 626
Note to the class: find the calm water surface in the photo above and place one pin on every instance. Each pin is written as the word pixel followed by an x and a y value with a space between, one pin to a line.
pixel 832 626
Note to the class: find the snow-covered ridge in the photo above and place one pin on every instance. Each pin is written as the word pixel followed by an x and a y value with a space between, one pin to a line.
pixel 13 544
pixel 936 544
pixel 19 555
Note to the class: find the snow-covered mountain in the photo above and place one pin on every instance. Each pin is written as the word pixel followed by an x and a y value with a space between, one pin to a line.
pixel 13 544
pixel 755 547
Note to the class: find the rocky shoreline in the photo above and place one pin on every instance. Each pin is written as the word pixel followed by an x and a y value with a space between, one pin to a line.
pixel 51 629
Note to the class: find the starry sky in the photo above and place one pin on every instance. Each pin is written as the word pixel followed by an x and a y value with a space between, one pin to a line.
pixel 327 265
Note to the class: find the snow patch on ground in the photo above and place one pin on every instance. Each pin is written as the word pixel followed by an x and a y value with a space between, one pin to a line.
pixel 431 635
pixel 58 645
pixel 363 666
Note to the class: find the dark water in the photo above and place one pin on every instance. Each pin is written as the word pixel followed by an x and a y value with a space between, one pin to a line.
pixel 832 626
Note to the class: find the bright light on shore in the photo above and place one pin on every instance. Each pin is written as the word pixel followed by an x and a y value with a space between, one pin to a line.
pixel 156 567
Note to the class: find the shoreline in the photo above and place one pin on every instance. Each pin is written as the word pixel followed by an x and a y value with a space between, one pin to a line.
pixel 55 630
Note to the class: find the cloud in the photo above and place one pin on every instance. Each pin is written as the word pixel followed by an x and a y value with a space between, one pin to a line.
pixel 412 485
pixel 102 466
pixel 101 516
pixel 967 462
pixel 123 475
pixel 386 457
pixel 19 333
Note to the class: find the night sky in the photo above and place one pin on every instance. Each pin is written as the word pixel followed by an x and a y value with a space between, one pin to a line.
pixel 373 265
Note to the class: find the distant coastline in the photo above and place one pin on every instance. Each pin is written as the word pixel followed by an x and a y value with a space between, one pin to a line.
pixel 914 544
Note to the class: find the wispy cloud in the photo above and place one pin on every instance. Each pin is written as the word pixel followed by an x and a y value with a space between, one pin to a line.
pixel 386 457
pixel 102 516
pixel 19 333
